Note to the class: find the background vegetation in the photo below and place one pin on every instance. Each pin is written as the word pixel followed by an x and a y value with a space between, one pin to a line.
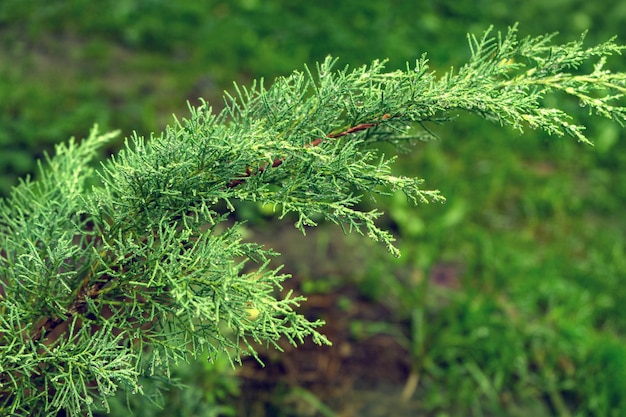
pixel 507 299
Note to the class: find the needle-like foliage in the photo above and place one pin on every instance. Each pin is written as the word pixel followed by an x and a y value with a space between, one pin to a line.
pixel 111 275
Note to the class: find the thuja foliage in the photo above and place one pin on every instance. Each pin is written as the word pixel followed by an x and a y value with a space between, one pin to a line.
pixel 109 275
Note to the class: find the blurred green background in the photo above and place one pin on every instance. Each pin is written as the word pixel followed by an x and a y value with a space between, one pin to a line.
pixel 508 299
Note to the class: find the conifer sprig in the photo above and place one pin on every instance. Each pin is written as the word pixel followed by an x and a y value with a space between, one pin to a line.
pixel 103 285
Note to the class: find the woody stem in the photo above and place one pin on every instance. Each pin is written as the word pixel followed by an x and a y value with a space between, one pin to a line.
pixel 278 161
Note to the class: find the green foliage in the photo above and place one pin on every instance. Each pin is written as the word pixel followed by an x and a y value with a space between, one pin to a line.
pixel 197 388
pixel 113 275
pixel 65 65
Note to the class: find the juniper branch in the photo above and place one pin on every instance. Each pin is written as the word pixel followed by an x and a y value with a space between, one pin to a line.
pixel 102 285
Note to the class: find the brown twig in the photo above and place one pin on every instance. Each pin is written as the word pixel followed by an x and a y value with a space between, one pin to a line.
pixel 278 161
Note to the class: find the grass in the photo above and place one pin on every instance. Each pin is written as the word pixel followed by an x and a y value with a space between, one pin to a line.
pixel 507 299
pixel 542 256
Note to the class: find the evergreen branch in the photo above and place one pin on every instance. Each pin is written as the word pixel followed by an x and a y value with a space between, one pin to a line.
pixel 101 285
